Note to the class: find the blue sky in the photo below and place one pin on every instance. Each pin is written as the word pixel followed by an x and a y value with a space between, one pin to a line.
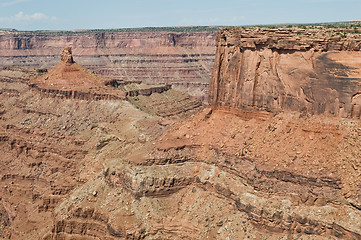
pixel 105 14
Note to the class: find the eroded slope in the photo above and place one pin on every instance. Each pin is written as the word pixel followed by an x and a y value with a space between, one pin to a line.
pixel 223 174
pixel 50 146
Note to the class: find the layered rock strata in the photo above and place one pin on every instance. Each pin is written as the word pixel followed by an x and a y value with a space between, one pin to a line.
pixel 44 144
pixel 167 104
pixel 70 80
pixel 219 175
pixel 313 71
pixel 148 91
pixel 158 57
pixel 78 169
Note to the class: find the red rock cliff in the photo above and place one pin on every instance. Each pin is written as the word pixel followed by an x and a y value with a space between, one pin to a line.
pixel 288 69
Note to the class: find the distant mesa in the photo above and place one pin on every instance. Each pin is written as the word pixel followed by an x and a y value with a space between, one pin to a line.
pixel 68 79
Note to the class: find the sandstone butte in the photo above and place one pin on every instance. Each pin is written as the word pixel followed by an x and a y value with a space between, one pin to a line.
pixel 70 80
pixel 276 154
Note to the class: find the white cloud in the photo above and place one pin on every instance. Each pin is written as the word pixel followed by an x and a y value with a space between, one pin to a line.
pixel 21 17
pixel 26 17
pixel 6 4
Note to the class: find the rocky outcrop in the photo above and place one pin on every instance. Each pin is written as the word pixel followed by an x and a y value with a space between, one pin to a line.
pixel 66 56
pixel 70 80
pixel 73 94
pixel 149 186
pixel 311 70
pixel 169 103
pixel 148 91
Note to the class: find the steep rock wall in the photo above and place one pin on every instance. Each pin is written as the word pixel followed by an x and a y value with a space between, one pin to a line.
pixel 310 70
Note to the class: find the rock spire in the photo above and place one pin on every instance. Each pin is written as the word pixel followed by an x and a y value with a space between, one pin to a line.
pixel 66 56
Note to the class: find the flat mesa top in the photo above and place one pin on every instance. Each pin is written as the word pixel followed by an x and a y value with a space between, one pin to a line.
pixel 319 39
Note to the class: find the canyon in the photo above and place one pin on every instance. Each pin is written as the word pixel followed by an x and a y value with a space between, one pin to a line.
pixel 184 59
pixel 275 154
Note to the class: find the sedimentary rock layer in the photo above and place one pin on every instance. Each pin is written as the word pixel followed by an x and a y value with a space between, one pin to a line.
pixel 84 169
pixel 314 70
pixel 43 140
pixel 69 94
pixel 70 80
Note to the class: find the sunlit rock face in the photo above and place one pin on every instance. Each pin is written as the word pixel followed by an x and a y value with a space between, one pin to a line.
pixel 288 69
pixel 67 56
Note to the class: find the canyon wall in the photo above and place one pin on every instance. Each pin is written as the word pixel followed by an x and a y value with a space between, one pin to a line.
pixel 184 59
pixel 76 168
pixel 309 70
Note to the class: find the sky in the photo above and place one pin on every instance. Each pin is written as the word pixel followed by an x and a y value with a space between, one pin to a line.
pixel 110 14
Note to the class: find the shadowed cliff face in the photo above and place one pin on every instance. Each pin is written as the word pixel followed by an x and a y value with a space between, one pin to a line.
pixel 287 69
